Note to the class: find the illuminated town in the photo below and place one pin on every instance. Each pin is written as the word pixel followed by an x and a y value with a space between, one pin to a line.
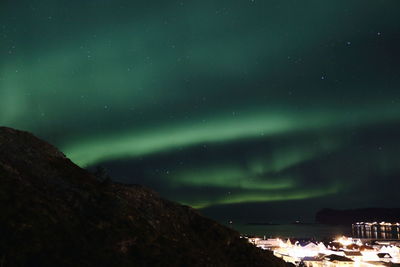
pixel 378 246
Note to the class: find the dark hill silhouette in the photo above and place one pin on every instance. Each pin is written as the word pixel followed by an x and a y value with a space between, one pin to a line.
pixel 54 213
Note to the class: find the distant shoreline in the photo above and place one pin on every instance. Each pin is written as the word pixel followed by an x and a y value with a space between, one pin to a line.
pixel 290 223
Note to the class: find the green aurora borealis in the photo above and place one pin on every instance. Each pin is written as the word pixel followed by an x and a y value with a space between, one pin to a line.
pixel 248 103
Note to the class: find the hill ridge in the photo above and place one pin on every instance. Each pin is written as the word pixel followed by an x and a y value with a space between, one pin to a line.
pixel 57 214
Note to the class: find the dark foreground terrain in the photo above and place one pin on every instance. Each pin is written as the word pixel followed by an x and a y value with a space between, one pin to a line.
pixel 53 213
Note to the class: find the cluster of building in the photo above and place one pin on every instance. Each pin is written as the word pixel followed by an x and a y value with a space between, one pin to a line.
pixel 342 251
pixel 382 230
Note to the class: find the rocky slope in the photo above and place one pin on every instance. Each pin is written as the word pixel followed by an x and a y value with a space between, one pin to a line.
pixel 53 213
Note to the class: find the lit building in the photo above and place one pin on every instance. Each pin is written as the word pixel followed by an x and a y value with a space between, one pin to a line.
pixel 342 251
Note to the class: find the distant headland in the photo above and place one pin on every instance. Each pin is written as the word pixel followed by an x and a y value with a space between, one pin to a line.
pixel 350 216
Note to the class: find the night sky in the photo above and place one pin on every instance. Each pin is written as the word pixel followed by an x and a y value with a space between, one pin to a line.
pixel 248 109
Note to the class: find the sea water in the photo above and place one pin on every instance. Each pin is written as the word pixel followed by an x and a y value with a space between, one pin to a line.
pixel 314 231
